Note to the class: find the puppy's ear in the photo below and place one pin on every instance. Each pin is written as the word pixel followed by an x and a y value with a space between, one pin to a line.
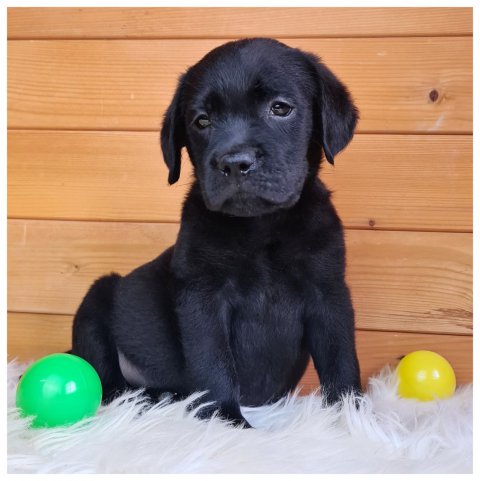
pixel 336 116
pixel 173 135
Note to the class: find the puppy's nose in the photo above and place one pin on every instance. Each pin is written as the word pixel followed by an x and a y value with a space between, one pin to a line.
pixel 237 164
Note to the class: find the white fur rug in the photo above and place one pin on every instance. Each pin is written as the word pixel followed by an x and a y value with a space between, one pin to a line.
pixel 296 435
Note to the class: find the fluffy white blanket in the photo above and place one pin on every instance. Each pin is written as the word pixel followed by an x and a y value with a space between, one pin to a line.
pixel 296 435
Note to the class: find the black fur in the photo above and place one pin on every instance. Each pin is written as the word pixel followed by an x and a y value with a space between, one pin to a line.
pixel 255 282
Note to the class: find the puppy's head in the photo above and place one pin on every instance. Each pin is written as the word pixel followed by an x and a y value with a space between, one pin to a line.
pixel 255 116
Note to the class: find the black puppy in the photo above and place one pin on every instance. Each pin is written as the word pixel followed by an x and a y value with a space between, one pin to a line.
pixel 255 282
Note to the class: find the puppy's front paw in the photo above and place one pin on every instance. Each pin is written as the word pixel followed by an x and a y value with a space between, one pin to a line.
pixel 226 412
pixel 334 394
pixel 243 423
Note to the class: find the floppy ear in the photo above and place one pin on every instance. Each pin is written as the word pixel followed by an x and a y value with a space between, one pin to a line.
pixel 336 116
pixel 173 135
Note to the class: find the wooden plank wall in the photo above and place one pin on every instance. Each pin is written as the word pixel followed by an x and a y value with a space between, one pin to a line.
pixel 87 188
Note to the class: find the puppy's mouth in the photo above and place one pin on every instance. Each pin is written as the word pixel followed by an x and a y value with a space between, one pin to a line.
pixel 242 203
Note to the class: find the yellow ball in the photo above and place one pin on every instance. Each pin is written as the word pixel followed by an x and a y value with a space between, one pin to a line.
pixel 425 376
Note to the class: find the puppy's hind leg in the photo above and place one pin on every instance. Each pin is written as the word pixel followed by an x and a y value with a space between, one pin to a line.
pixel 92 337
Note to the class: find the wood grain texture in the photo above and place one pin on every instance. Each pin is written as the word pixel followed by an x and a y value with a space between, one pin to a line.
pixel 390 181
pixel 127 85
pixel 84 23
pixel 404 281
pixel 404 182
pixel 31 336
pixel 414 281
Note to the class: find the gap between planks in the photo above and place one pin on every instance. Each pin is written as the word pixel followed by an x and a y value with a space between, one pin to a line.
pixel 126 130
pixel 139 221
pixel 231 37
pixel 361 329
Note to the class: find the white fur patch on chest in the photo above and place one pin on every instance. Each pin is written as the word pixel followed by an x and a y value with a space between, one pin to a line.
pixel 130 372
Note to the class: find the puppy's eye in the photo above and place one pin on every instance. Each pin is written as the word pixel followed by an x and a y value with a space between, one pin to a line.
pixel 280 109
pixel 202 121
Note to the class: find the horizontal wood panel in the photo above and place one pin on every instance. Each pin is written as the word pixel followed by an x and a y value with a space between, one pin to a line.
pixel 225 22
pixel 388 181
pixel 127 85
pixel 404 182
pixel 405 281
pixel 31 336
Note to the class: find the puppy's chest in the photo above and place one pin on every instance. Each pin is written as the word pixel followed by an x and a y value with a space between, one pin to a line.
pixel 266 297
pixel 268 275
pixel 266 326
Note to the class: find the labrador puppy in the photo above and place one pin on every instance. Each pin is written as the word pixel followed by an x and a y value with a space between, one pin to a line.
pixel 255 281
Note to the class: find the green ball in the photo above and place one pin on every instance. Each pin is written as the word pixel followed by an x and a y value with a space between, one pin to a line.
pixel 59 390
